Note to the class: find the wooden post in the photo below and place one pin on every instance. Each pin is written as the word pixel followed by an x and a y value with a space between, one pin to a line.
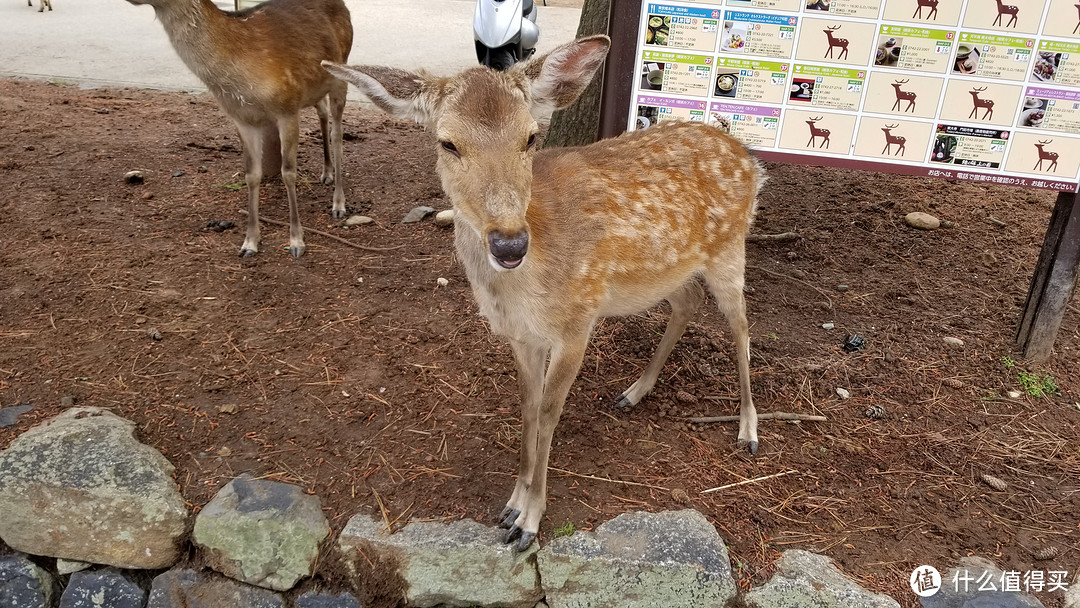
pixel 621 67
pixel 1053 282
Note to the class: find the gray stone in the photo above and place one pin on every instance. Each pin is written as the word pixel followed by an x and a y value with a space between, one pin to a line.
pixel 312 599
pixel 1072 595
pixel 262 532
pixel 957 591
pixel 25 585
pixel 954 342
pixel 358 220
pixel 417 214
pixel 674 558
pixel 107 587
pixel 843 393
pixel 69 566
pixel 134 177
pixel 9 415
pixel 80 486
pixel 445 218
pixel 807 579
pixel 922 221
pixel 182 588
pixel 464 563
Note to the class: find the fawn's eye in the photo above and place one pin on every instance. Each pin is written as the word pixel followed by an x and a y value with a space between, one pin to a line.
pixel 450 147
pixel 532 142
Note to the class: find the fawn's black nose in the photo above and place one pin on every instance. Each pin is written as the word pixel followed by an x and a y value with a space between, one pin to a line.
pixel 508 251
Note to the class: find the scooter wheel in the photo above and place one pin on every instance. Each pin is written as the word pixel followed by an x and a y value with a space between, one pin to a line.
pixel 500 59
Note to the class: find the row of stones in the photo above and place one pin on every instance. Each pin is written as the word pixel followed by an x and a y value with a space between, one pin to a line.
pixel 81 487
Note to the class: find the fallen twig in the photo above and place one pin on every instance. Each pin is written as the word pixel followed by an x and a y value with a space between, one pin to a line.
pixel 791 278
pixel 765 416
pixel 746 481
pixel 993 220
pixel 328 235
pixel 608 479
pixel 783 236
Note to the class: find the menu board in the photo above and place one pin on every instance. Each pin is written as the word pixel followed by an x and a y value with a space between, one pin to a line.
pixel 982 90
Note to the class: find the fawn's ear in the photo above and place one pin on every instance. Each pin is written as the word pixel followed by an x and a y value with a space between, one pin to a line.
pixel 559 77
pixel 398 92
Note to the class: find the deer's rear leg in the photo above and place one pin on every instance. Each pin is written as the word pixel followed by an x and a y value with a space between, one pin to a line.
pixel 684 303
pixel 725 282
pixel 251 138
pixel 289 132
pixel 332 149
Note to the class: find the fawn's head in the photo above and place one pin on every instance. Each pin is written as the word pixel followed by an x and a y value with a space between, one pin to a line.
pixel 486 125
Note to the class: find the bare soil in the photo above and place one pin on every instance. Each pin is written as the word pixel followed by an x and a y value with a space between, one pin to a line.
pixel 354 374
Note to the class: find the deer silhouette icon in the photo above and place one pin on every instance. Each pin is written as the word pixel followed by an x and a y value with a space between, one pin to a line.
pixel 835 42
pixel 1046 155
pixel 816 132
pixel 891 139
pixel 929 3
pixel 986 104
pixel 1006 9
pixel 902 95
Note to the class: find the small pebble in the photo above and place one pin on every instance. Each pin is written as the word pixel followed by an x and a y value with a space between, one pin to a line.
pixel 178 174
pixel 358 220
pixel 828 325
pixel 201 169
pixel 155 334
pixel 922 221
pixel 844 393
pixel 147 196
pixel 224 451
pixel 67 401
pixel 228 408
pixel 442 282
pixel 417 214
pixel 951 341
pixel 842 288
pixel 445 218
pixel 133 177
pixel 1014 394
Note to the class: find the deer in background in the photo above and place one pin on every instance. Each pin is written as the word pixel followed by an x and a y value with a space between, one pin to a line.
pixel 552 240
pixel 1006 9
pixel 44 3
pixel 816 133
pixel 1045 155
pixel 901 95
pixel 834 42
pixel 891 139
pixel 262 65
pixel 933 9
pixel 986 104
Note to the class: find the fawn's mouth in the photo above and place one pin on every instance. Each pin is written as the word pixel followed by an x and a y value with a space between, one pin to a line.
pixel 508 264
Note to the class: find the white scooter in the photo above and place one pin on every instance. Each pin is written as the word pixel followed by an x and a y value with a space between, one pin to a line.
pixel 505 32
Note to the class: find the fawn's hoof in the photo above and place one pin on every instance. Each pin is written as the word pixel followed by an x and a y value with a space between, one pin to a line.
pixel 296 251
pixel 247 253
pixel 524 539
pixel 338 213
pixel 751 445
pixel 623 402
pixel 508 516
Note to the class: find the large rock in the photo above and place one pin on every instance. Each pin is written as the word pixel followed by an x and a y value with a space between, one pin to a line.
pixel 960 588
pixel 79 486
pixel 807 579
pixel 674 558
pixel 107 587
pixel 25 585
pixel 262 532
pixel 182 588
pixel 315 599
pixel 461 564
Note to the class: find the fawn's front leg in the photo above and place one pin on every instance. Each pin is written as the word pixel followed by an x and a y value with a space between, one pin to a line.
pixel 251 138
pixel 529 498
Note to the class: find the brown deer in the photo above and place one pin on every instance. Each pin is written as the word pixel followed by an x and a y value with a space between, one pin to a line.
pixel 901 95
pixel 1045 155
pixel 835 42
pixel 552 240
pixel 816 133
pixel 986 104
pixel 262 66
pixel 891 139
pixel 44 3
pixel 929 3
pixel 1006 9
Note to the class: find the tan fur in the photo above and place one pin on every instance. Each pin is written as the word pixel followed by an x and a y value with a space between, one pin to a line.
pixel 613 228
pixel 262 66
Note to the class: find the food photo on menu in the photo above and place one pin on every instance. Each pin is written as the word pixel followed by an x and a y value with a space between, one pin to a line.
pixel 1034 112
pixel 734 36
pixel 726 84
pixel 802 89
pixel 652 76
pixel 888 50
pixel 647 116
pixel 967 59
pixel 1045 66
pixel 658 31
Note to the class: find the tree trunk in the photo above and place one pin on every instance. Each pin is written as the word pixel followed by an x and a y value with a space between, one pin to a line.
pixel 578 124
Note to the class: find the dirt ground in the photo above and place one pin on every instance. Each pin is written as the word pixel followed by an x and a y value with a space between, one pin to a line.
pixel 354 374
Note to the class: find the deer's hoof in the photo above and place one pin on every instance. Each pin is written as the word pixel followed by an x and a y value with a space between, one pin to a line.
pixel 524 539
pixel 296 251
pixel 750 445
pixel 508 516
pixel 338 213
pixel 623 403
pixel 247 253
